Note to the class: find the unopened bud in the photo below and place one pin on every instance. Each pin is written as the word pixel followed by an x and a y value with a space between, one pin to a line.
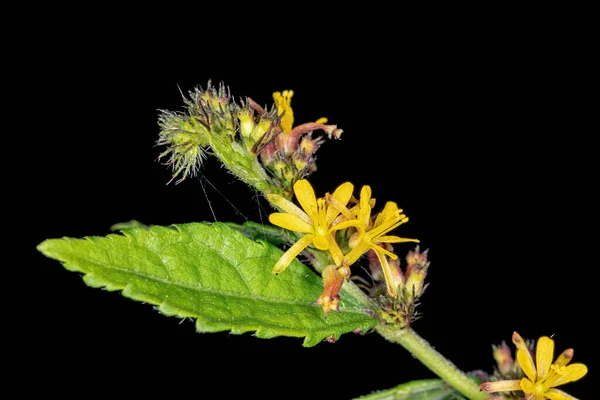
pixel 246 117
pixel 416 271
pixel 503 357
pixel 300 163
pixel 308 145
pixel 333 279
pixel 416 259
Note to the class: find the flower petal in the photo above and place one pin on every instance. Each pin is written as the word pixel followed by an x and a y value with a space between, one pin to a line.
pixel 336 206
pixel 527 386
pixel 364 211
pixel 290 222
pixel 565 357
pixel 342 195
pixel 543 356
pixel 378 248
pixel 283 103
pixel 335 251
pixel 519 342
pixel 395 239
pixel 306 197
pixel 387 225
pixel 349 213
pixel 387 272
pixel 288 207
pixel 389 213
pixel 501 386
pixel 555 394
pixel 526 362
pixel 346 224
pixel 571 373
pixel 291 253
pixel 361 248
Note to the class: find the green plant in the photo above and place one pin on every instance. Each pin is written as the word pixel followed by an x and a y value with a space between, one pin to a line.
pixel 234 277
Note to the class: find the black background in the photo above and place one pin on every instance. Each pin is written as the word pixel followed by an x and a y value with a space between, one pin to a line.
pixel 484 142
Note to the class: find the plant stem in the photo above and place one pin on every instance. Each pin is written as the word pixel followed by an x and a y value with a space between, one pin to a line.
pixel 433 360
pixel 359 295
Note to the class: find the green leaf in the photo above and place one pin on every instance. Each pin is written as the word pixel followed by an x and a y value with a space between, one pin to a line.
pixel 212 273
pixel 269 233
pixel 129 224
pixel 427 389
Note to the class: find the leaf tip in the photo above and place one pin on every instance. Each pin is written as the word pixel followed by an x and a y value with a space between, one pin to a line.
pixel 41 247
pixel 47 246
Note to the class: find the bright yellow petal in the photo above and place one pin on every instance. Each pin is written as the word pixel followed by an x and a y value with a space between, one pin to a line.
pixel 387 226
pixel 388 253
pixel 356 252
pixel 321 120
pixel 354 211
pixel 288 207
pixel 544 355
pixel 565 358
pixel 342 195
pixel 555 394
pixel 306 197
pixel 527 386
pixel 283 102
pixel 518 341
pixel 389 213
pixel 501 386
pixel 291 253
pixel 392 288
pixel 290 222
pixel 395 239
pixel 364 213
pixel 338 207
pixel 346 224
pixel 571 373
pixel 526 362
pixel 335 251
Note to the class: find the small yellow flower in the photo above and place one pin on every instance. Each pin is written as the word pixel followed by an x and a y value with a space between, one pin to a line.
pixel 542 376
pixel 315 220
pixel 370 234
pixel 283 102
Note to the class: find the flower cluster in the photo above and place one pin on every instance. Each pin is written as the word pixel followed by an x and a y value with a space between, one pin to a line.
pixel 408 286
pixel 264 149
pixel 320 219
pixel 261 147
pixel 542 376
pixel 291 156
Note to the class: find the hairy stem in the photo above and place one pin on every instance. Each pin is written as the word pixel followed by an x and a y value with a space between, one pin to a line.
pixel 433 360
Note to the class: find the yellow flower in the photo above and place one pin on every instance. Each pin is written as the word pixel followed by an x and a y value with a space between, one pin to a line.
pixel 542 376
pixel 370 233
pixel 315 220
pixel 283 102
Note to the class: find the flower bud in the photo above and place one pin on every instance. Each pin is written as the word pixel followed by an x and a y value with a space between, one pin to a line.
pixel 333 279
pixel 503 357
pixel 416 271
